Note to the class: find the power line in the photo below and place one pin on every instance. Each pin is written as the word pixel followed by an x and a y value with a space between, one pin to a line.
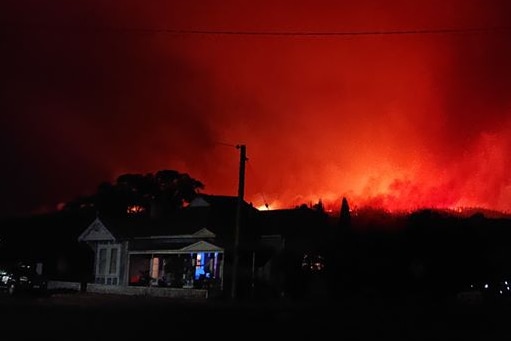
pixel 226 144
pixel 428 31
pixel 336 33
pixel 251 170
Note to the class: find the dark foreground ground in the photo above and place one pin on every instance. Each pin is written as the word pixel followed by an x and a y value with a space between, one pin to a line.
pixel 81 316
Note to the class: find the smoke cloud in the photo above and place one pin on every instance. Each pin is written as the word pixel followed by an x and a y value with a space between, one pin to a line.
pixel 92 90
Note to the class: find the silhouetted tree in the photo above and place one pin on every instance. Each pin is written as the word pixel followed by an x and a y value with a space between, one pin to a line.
pixel 110 200
pixel 163 193
pixel 318 206
pixel 174 189
pixel 345 215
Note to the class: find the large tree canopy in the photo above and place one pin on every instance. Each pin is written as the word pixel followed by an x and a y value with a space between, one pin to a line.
pixel 161 193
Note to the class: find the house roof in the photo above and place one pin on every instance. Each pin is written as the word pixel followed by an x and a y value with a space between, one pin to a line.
pixel 218 201
pixel 178 247
pixel 292 222
pixel 175 243
pixel 95 232
pixel 210 215
pixel 135 227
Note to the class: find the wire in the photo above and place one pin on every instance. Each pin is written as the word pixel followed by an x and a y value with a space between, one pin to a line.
pixel 226 144
pixel 265 33
pixel 335 33
pixel 251 170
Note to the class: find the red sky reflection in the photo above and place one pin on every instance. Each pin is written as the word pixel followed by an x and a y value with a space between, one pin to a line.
pixel 400 121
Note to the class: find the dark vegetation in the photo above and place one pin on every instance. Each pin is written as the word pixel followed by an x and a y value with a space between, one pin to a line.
pixel 432 253
pixel 162 193
pixel 428 252
pixel 51 238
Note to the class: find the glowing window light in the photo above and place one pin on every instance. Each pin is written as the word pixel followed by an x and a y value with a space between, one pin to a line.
pixel 155 267
pixel 199 265
pixel 135 209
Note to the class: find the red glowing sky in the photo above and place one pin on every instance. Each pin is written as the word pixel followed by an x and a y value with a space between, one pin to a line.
pixel 94 89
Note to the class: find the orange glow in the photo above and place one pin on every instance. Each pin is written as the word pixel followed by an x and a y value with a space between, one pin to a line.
pixel 264 207
pixel 398 121
pixel 135 209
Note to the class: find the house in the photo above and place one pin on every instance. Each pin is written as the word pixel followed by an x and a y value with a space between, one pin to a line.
pixel 192 250
pixel 184 260
pixel 292 250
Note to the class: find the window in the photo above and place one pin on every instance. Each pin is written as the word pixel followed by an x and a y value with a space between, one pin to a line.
pixel 102 261
pixel 107 269
pixel 155 268
pixel 113 261
pixel 135 209
pixel 199 265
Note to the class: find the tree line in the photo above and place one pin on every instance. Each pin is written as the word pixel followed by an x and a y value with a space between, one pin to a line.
pixel 162 193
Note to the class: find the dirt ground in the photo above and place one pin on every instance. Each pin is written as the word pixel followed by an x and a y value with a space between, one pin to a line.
pixel 85 316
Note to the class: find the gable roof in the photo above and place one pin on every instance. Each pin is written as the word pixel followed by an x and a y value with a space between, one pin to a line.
pixel 204 233
pixel 199 202
pixel 207 216
pixel 202 246
pixel 175 247
pixel 220 213
pixel 219 202
pixel 123 228
pixel 96 231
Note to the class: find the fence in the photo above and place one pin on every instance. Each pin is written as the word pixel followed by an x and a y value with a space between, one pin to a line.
pixel 129 290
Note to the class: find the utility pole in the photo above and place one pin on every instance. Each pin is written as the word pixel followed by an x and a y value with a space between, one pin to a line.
pixel 241 192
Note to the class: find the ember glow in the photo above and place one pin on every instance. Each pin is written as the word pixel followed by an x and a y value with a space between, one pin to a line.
pixel 400 121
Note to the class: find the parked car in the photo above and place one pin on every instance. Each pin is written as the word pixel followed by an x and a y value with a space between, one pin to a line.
pixel 21 278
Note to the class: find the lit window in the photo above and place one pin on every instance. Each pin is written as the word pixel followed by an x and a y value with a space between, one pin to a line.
pixel 155 267
pixel 199 265
pixel 135 209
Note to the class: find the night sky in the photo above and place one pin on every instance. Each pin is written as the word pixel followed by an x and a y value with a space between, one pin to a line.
pixel 91 90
